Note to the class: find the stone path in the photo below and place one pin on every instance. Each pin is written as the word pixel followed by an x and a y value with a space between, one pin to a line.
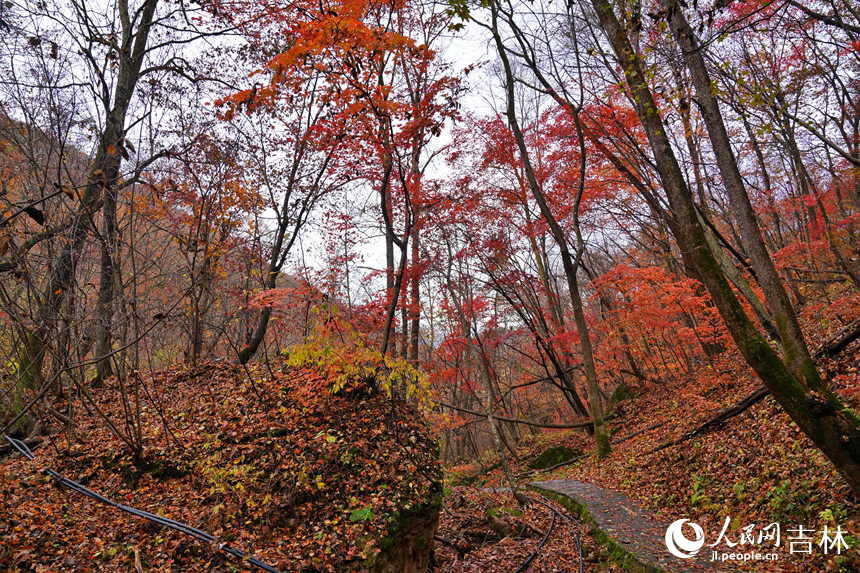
pixel 633 534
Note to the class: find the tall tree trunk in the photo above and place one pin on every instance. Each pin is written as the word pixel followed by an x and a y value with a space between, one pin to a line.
pixel 794 345
pixel 415 302
pixel 388 338
pixel 600 434
pixel 393 297
pixel 103 175
pixel 107 282
pixel 404 321
pixel 131 54
pixel 819 414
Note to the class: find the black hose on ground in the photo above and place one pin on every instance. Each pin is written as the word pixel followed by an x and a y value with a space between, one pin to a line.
pixel 175 525
pixel 527 563
pixel 570 522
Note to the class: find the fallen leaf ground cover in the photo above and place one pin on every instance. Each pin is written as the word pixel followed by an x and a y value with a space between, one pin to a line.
pixel 303 481
pixel 756 468
pixel 487 531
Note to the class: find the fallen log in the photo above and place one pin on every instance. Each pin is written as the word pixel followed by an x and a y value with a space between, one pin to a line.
pixel 837 344
pixel 583 424
pixel 739 408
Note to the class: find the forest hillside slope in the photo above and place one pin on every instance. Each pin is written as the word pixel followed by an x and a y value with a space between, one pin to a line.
pixel 301 480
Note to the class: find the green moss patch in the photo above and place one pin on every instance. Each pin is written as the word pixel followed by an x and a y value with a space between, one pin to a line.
pixel 552 457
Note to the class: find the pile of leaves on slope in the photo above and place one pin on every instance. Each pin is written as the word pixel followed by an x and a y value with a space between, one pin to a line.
pixel 487 531
pixel 303 480
pixel 755 468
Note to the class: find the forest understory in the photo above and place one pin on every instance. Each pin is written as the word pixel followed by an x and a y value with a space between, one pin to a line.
pixel 219 458
pixel 754 466
pixel 327 285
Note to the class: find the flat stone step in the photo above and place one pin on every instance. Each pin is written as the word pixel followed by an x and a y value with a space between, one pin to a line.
pixel 634 536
